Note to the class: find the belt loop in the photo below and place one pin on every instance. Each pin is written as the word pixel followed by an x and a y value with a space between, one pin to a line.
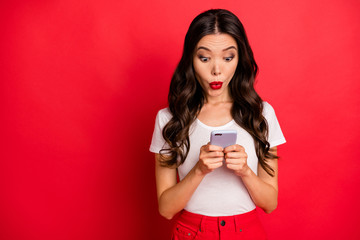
pixel 236 223
pixel 201 227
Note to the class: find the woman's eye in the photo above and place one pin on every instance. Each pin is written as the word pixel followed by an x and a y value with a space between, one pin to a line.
pixel 228 59
pixel 204 59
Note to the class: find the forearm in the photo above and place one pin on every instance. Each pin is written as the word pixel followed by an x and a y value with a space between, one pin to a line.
pixel 263 194
pixel 174 199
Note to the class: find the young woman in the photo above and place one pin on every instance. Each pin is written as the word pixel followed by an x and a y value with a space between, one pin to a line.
pixel 213 89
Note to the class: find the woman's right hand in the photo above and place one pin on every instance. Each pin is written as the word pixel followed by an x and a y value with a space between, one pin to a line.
pixel 211 157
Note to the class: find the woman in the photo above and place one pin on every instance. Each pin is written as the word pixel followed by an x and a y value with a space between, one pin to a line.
pixel 213 89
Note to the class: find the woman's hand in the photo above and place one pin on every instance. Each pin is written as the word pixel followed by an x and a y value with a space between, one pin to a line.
pixel 211 157
pixel 236 160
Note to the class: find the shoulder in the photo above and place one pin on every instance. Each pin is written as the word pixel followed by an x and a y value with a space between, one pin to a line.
pixel 164 113
pixel 163 116
pixel 269 112
pixel 275 136
pixel 267 109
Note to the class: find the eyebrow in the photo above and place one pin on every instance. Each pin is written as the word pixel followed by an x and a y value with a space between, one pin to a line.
pixel 207 49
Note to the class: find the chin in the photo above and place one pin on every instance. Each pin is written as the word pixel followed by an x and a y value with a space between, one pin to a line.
pixel 215 93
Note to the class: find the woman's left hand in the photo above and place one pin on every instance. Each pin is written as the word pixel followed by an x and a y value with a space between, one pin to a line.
pixel 236 160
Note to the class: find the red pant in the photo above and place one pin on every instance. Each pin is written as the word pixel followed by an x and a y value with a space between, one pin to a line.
pixel 194 226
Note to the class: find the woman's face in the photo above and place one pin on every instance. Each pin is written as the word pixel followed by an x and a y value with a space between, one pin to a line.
pixel 215 61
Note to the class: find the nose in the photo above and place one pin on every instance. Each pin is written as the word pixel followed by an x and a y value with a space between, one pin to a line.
pixel 216 69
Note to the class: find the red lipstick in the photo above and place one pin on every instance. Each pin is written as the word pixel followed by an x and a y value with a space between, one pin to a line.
pixel 216 85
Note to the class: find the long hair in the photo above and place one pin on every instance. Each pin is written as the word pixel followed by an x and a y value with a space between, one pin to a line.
pixel 186 97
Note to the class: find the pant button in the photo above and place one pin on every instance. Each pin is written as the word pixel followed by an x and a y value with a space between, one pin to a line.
pixel 222 223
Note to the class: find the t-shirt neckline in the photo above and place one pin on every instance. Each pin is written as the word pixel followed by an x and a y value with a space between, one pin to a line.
pixel 213 127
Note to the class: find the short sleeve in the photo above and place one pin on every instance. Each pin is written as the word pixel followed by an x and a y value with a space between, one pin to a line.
pixel 276 136
pixel 158 142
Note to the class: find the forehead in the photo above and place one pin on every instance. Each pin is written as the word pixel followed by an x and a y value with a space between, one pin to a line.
pixel 218 41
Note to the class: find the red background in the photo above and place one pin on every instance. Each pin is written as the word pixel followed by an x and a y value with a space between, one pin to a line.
pixel 81 82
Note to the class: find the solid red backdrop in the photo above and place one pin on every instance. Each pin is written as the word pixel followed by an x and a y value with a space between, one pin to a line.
pixel 82 81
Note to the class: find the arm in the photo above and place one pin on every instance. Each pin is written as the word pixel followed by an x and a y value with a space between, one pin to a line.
pixel 173 196
pixel 263 188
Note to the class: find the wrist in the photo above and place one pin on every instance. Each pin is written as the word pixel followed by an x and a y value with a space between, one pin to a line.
pixel 247 172
pixel 198 172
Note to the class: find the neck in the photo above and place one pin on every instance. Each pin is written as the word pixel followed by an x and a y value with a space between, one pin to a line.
pixel 216 101
pixel 213 100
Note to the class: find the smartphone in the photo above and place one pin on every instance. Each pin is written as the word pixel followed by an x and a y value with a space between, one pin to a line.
pixel 223 138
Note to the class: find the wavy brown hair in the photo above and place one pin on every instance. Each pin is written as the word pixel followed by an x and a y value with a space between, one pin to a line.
pixel 186 97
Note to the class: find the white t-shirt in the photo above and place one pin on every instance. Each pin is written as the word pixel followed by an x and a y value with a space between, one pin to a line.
pixel 221 192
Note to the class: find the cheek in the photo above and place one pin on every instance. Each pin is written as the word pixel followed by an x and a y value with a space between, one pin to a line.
pixel 200 71
pixel 230 71
pixel 200 80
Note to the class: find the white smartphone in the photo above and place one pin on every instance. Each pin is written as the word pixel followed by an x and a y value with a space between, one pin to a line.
pixel 223 138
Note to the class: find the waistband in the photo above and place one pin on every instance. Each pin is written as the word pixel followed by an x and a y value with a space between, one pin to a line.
pixel 209 223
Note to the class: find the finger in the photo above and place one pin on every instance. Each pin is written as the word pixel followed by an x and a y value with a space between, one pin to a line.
pixel 206 147
pixel 205 154
pixel 235 161
pixel 236 155
pixel 213 148
pixel 203 147
pixel 215 154
pixel 209 161
pixel 234 148
pixel 215 165
pixel 234 167
pixel 209 155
